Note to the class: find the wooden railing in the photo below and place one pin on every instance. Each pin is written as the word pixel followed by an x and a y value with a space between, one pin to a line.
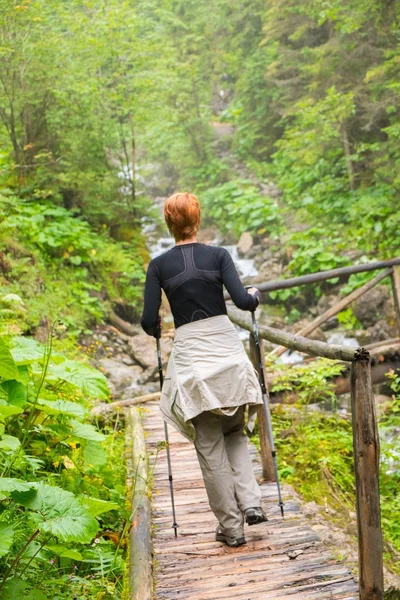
pixel 364 423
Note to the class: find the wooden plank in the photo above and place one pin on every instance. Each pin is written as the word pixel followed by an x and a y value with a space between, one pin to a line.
pixel 366 467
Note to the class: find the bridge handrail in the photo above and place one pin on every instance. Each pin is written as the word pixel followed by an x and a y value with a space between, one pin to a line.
pixel 282 284
pixel 292 341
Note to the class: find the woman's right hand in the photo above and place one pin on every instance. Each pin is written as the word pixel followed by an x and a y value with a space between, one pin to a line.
pixel 253 291
pixel 256 293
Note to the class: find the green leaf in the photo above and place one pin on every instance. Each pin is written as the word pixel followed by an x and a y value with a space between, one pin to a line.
pixel 35 595
pixel 15 588
pixel 95 455
pixel 62 407
pixel 12 484
pixel 96 506
pixel 8 410
pixel 92 382
pixel 26 350
pixel 60 513
pixel 16 391
pixel 8 368
pixel 65 552
pixel 9 442
pixel 85 431
pixel 6 538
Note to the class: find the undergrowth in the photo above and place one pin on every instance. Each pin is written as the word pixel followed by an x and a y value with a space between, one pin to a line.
pixel 315 450
pixel 60 267
pixel 63 509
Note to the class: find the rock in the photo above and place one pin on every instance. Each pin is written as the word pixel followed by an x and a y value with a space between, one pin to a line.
pixel 255 252
pixel 150 375
pixel 317 335
pixel 267 254
pixel 381 331
pixel 245 243
pixel 119 375
pixel 128 360
pixel 370 307
pixel 207 234
pixel 266 242
pixel 142 348
pixel 326 302
pixel 270 269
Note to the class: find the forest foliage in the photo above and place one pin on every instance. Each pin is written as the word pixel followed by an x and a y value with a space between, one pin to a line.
pixel 105 104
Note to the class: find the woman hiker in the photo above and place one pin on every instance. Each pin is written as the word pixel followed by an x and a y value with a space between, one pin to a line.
pixel 210 379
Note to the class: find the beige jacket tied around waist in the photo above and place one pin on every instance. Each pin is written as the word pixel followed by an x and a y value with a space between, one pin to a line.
pixel 208 370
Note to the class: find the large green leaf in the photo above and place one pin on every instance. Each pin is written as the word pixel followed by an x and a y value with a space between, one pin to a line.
pixel 8 410
pixel 25 351
pixel 12 484
pixel 9 442
pixel 90 381
pixel 62 407
pixel 85 431
pixel 14 588
pixel 6 538
pixel 96 506
pixel 60 513
pixel 17 393
pixel 8 368
pixel 95 455
pixel 65 552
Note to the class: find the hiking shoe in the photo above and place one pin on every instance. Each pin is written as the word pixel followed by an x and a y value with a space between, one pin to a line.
pixel 229 540
pixel 255 515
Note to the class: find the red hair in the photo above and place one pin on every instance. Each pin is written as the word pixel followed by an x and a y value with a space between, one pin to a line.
pixel 182 215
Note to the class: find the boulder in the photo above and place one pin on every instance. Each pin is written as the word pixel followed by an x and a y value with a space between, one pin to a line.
pixel 270 269
pixel 370 307
pixel 119 375
pixel 245 243
pixel 381 331
pixel 142 348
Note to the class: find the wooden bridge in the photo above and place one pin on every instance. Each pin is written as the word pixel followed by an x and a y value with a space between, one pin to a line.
pixel 283 558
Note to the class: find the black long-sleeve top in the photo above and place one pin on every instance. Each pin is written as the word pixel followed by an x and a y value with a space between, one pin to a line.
pixel 192 276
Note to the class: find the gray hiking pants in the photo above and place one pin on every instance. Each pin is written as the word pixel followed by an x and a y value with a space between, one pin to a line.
pixel 221 446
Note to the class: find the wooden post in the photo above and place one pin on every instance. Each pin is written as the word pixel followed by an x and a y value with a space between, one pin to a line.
pixel 141 554
pixel 396 293
pixel 265 443
pixel 366 467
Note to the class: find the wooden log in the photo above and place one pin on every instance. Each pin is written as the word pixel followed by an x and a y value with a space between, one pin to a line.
pixel 265 442
pixel 103 408
pixel 396 293
pixel 366 467
pixel 122 325
pixel 283 284
pixel 295 342
pixel 141 552
pixel 339 306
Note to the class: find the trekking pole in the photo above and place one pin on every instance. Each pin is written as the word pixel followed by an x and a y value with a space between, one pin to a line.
pixel 266 404
pixel 171 484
